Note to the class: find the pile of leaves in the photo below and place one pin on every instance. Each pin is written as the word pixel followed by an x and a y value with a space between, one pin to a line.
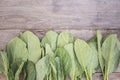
pixel 59 56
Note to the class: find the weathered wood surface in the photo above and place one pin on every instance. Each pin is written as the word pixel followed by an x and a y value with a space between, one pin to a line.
pixel 96 76
pixel 7 35
pixel 59 14
pixel 79 17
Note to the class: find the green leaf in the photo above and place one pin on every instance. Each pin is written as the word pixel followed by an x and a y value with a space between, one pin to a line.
pixel 75 67
pixel 84 56
pixel 118 44
pixel 65 59
pixel 17 55
pixel 83 52
pixel 31 72
pixel 110 54
pixel 51 39
pixel 33 46
pixel 64 38
pixel 53 66
pixel 42 52
pixel 99 43
pixel 48 50
pixel 4 64
pixel 95 63
pixel 60 74
pixel 42 67
pixel 93 66
pixel 17 50
pixel 10 75
pixel 17 74
pixel 56 66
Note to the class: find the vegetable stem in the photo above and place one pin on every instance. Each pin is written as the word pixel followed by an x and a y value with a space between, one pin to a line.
pixel 87 77
pixel 106 76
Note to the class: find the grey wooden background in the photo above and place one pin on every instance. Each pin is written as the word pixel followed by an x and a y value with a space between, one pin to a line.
pixel 79 17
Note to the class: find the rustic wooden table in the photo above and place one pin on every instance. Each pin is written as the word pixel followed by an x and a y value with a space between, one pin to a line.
pixel 79 17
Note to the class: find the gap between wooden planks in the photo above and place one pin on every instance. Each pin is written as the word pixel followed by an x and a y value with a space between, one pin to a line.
pixel 96 76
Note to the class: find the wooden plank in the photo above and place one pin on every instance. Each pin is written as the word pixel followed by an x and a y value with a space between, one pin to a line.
pixel 59 14
pixel 96 76
pixel 7 35
pixel 113 76
pixel 2 77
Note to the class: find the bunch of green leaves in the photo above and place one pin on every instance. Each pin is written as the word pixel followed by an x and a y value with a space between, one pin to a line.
pixel 58 56
pixel 109 53
pixel 34 53
pixel 17 56
pixel 59 48
pixel 4 64
pixel 86 54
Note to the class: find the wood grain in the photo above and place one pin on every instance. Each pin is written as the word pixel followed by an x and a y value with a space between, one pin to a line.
pixel 113 76
pixel 96 76
pixel 7 35
pixel 2 77
pixel 59 14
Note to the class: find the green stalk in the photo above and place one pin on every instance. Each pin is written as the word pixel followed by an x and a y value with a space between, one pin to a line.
pixel 90 76
pixel 74 78
pixel 106 73
pixel 106 76
pixel 18 71
pixel 50 76
pixel 87 77
pixel 91 70
pixel 47 77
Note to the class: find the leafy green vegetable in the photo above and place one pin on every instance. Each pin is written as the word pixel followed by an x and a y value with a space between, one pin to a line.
pixel 51 39
pixel 17 50
pixel 17 55
pixel 51 71
pixel 111 54
pixel 60 74
pixel 33 46
pixel 99 43
pixel 64 38
pixel 4 64
pixel 75 67
pixel 65 59
pixel 34 50
pixel 31 72
pixel 49 50
pixel 11 75
pixel 58 57
pixel 69 49
pixel 53 68
pixel 42 52
pixel 84 56
pixel 94 62
pixel 57 69
pixel 55 64
pixel 42 67
pixel 17 74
